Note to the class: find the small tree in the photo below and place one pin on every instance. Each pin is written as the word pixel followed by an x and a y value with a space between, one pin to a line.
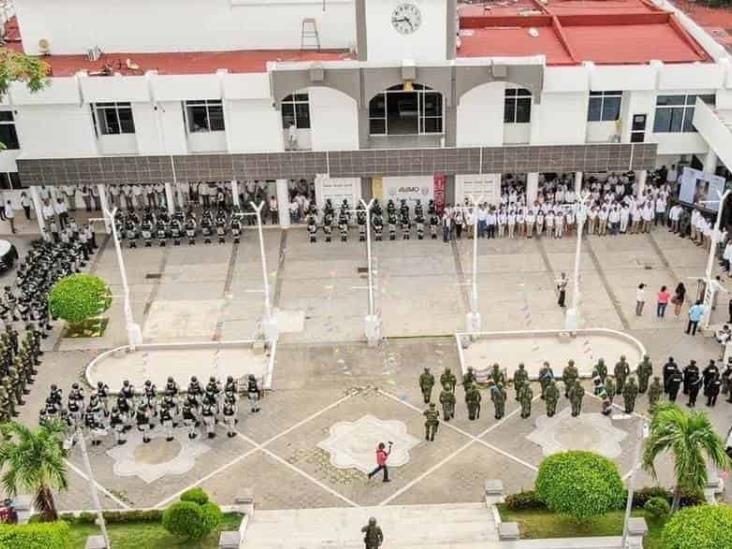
pixel 692 440
pixel 34 461
pixel 579 484
pixel 79 297
pixel 193 517
pixel 701 527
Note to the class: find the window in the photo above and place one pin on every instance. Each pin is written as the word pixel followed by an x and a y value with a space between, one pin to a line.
pixel 518 106
pixel 10 180
pixel 8 136
pixel 204 116
pixel 675 113
pixel 604 106
pixel 113 118
pixel 296 110
pixel 415 111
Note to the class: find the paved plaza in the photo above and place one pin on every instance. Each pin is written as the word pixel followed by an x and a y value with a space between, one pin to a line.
pixel 333 397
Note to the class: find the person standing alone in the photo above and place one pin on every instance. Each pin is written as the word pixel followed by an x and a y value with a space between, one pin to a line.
pixel 640 299
pixel 382 455
pixel 562 289
pixel 696 312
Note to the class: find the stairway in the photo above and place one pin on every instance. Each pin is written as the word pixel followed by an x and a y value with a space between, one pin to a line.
pixel 451 526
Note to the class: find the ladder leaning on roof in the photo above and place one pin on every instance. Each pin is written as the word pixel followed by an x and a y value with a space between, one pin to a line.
pixel 309 37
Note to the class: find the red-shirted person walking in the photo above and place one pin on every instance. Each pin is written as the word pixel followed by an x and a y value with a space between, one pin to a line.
pixel 382 454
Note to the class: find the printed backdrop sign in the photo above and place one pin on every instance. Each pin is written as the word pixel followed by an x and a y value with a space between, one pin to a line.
pixel 411 189
pixel 487 185
pixel 337 189
pixel 701 188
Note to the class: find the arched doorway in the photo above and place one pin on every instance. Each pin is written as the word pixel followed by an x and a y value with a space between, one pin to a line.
pixel 406 109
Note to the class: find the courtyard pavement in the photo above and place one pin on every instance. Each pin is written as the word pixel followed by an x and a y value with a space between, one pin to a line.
pixel 325 375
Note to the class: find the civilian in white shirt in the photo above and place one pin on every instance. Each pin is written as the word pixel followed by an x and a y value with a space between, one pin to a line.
pixel 137 195
pixel 10 215
pixel 70 192
pixel 60 209
pixel 647 214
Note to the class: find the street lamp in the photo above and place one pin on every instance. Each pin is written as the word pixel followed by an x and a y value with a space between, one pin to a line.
pixel 134 334
pixel 642 435
pixel 92 485
pixel 372 322
pixel 473 319
pixel 571 319
pixel 269 324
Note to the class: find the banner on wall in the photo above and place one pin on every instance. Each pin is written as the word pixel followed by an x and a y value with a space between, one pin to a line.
pixel 377 187
pixel 337 189
pixel 487 185
pixel 701 188
pixel 410 188
pixel 439 183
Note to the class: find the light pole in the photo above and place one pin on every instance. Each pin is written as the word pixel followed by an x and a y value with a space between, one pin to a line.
pixel 372 322
pixel 134 334
pixel 571 319
pixel 269 324
pixel 642 435
pixel 473 319
pixel 93 486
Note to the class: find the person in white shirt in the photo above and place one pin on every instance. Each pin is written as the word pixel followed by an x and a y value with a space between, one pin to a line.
pixel 294 211
pixel 127 194
pixel 273 211
pixel 511 222
pixel 660 211
pixel 10 215
pixel 94 190
pixel 25 203
pixel 602 221
pixel 530 221
pixel 647 214
pixel 673 215
pixel 136 195
pixel 520 222
pixel 70 192
pixel 113 198
pixel 60 209
pixel 640 299
pixel 502 218
pixel 613 219
pixel 624 219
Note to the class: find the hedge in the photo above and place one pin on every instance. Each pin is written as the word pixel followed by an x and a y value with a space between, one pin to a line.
pixel 700 527
pixel 115 517
pixel 657 507
pixel 45 535
pixel 579 484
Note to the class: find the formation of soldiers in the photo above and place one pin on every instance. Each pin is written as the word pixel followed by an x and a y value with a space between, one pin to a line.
pixel 19 358
pixel 395 221
pixel 199 406
pixel 624 382
pixel 157 226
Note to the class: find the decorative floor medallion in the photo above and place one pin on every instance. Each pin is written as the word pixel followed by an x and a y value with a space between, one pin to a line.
pixel 352 444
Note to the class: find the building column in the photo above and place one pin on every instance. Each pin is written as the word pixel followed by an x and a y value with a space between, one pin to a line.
pixel 283 203
pixel 710 161
pixel 640 177
pixel 577 183
pixel 532 187
pixel 169 200
pixel 235 193
pixel 105 205
pixel 38 207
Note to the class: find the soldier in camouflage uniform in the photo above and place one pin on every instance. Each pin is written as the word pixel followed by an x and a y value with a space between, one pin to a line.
pixel 645 371
pixel 520 378
pixel 431 422
pixel 498 396
pixel 546 376
pixel 654 392
pixel 601 369
pixel 447 400
pixel 6 406
pixel 630 392
pixel 373 537
pixel 569 376
pixel 622 371
pixel 525 398
pixel 448 380
pixel 610 388
pixel 469 378
pixel 576 394
pixel 472 399
pixel 497 376
pixel 426 382
pixel 551 397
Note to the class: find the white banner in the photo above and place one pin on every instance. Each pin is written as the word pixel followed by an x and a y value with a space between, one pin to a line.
pixel 411 189
pixel 701 188
pixel 337 189
pixel 487 185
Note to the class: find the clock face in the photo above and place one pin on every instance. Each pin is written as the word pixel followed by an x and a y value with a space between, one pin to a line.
pixel 406 18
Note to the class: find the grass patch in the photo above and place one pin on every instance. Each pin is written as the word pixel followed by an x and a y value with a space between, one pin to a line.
pixel 541 523
pixel 150 535
pixel 91 327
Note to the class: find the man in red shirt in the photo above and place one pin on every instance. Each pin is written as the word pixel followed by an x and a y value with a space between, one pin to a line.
pixel 382 454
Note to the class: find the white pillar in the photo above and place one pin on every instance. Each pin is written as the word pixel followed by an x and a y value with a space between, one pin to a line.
pixel 577 183
pixel 532 187
pixel 640 178
pixel 283 203
pixel 38 207
pixel 235 193
pixel 710 161
pixel 179 197
pixel 169 198
pixel 105 205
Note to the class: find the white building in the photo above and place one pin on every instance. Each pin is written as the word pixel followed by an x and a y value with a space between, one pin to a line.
pixel 391 98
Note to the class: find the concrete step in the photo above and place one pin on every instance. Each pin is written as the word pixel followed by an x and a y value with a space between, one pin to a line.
pixel 462 526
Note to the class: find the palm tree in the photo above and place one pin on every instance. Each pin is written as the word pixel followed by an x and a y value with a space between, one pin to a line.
pixel 33 460
pixel 689 436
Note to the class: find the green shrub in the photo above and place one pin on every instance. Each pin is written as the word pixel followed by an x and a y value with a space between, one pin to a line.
pixel 579 484
pixel 186 519
pixel 688 498
pixel 46 535
pixel 115 517
pixel 79 297
pixel 524 500
pixel 700 527
pixel 657 507
pixel 196 495
pixel 212 515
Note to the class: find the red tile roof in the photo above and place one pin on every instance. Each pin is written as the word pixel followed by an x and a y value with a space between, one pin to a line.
pixel 573 31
